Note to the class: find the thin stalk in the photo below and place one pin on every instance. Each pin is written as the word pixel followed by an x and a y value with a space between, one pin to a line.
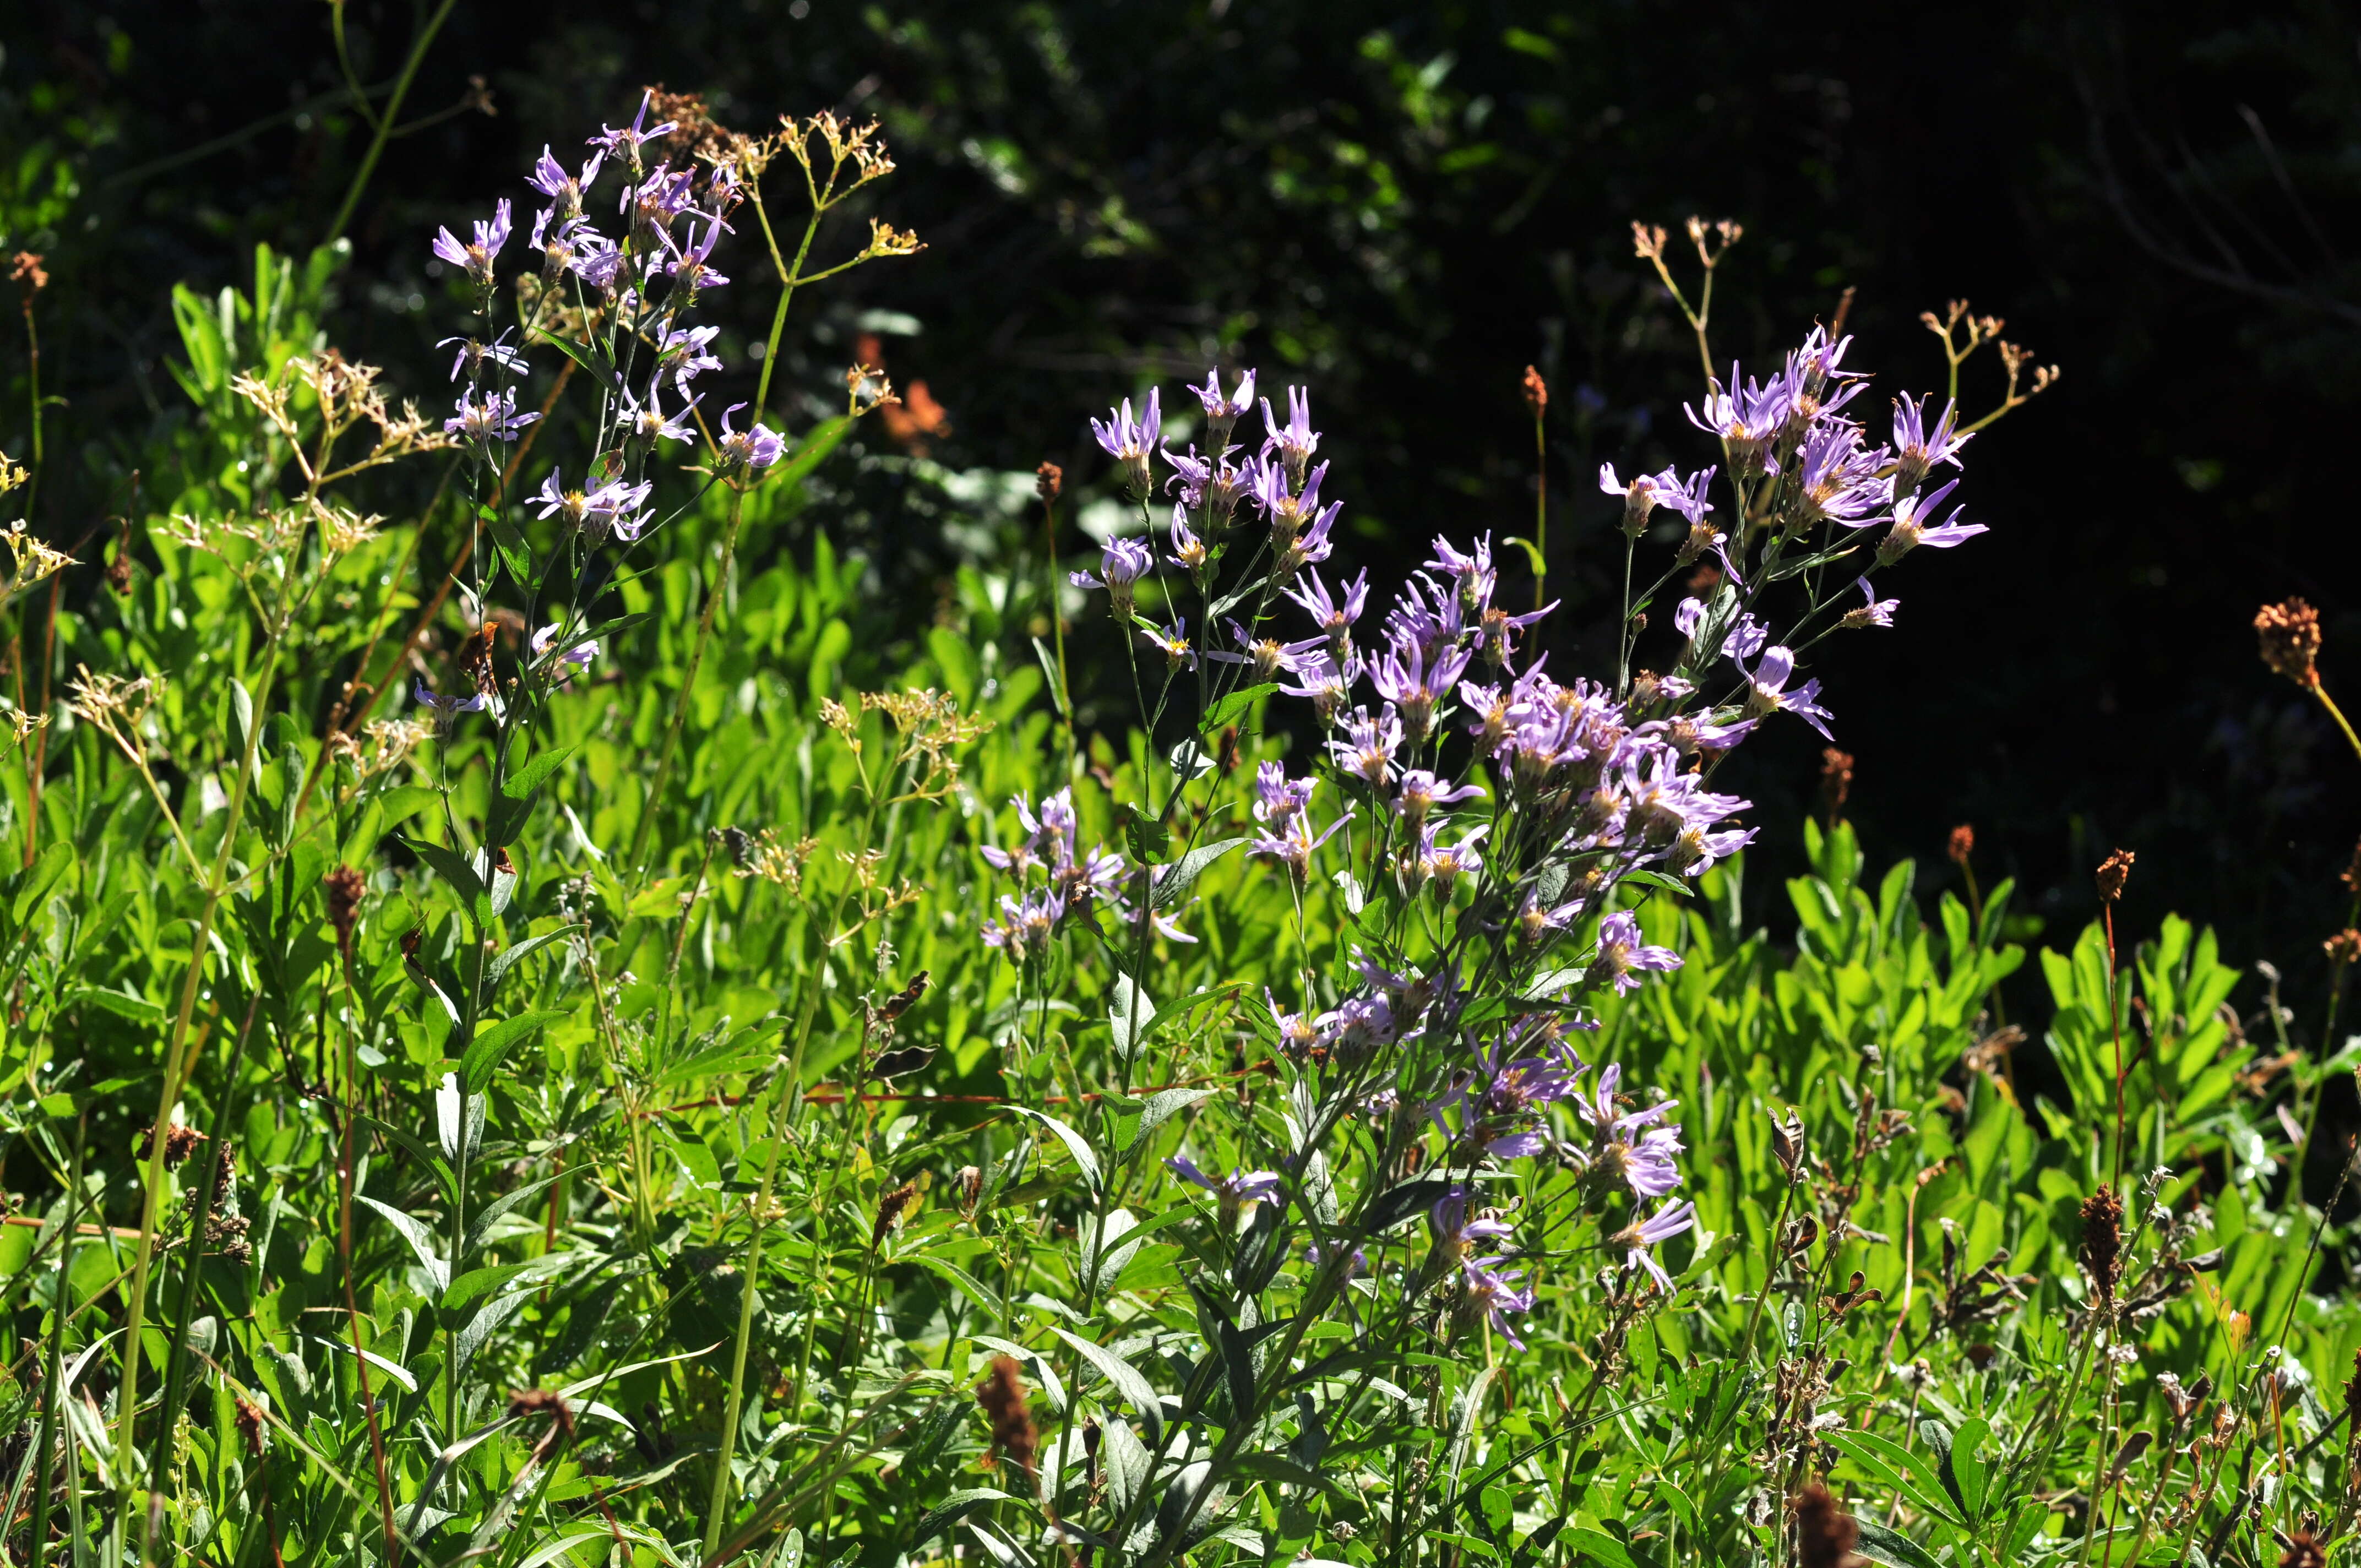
pixel 389 115
pixel 54 1374
pixel 786 1095
pixel 179 1058
pixel 2316 689
pixel 1541 516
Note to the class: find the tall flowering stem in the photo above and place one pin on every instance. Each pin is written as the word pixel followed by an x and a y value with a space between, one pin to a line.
pixel 1494 833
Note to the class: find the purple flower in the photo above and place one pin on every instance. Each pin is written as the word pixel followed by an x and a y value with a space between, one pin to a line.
pixel 1770 693
pixel 1875 611
pixel 690 266
pixel 1211 481
pixel 1358 1027
pixel 446 707
pixel 1188 550
pixel 1290 841
pixel 649 423
pixel 1623 954
pixel 1746 420
pixel 1278 799
pixel 1335 620
pixel 1492 1294
pixel 632 138
pixel 682 353
pixel 476 259
pixel 1172 642
pixel 1326 680
pixel 1296 440
pixel 1460 1226
pixel 1416 683
pixel 1640 496
pixel 1664 1224
pixel 1908 532
pixel 473 354
pixel 1024 928
pixel 1496 631
pixel 595 259
pixel 563 189
pixel 1367 750
pixel 1024 855
pixel 1472 571
pixel 1420 792
pixel 1220 409
pixel 1120 564
pixel 1129 442
pixel 579 654
pixel 1836 480
pixel 1312 544
pixel 1661 802
pixel 751 450
pixel 1295 1031
pixel 1239 1192
pixel 491 417
pixel 1916 451
pixel 1438 865
pixel 1629 1145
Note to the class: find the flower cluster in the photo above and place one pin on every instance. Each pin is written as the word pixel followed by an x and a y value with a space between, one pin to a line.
pixel 1512 819
pixel 1071 885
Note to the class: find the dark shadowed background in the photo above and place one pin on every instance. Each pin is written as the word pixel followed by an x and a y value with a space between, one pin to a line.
pixel 1402 206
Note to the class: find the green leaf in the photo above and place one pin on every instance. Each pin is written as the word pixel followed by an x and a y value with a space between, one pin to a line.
pixel 478 1283
pixel 490 1045
pixel 949 1512
pixel 814 446
pixel 1230 710
pixel 1175 884
pixel 1131 1130
pixel 1076 1144
pixel 1899 1468
pixel 506 959
pixel 1137 1391
pixel 520 783
pixel 450 866
pixel 583 354
pixel 414 1231
pixel 1050 677
pixel 1890 1547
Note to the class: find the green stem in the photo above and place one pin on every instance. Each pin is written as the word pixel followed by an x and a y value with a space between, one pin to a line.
pixel 54 1375
pixel 386 117
pixel 179 1059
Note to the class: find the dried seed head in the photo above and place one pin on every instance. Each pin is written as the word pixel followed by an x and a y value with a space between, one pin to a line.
pixel 1836 780
pixel 180 1142
pixel 891 1206
pixel 2344 947
pixel 2287 636
pixel 1001 1394
pixel 2103 1241
pixel 1962 844
pixel 2112 872
pixel 2351 875
pixel 971 1187
pixel 250 1425
pixel 1049 480
pixel 1536 392
pixel 346 888
pixel 1825 1533
pixel 2303 1550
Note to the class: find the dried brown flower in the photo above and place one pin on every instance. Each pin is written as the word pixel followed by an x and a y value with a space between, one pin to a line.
pixel 1962 844
pixel 250 1425
pixel 476 656
pixel 346 889
pixel 2289 639
pixel 891 1206
pixel 1825 1533
pixel 2103 1241
pixel 1536 392
pixel 27 269
pixel 2344 947
pixel 180 1143
pixel 1001 1394
pixel 1836 780
pixel 2303 1550
pixel 1048 480
pixel 2112 872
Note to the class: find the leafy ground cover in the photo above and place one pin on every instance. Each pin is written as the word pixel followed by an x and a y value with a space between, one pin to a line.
pixel 529 1041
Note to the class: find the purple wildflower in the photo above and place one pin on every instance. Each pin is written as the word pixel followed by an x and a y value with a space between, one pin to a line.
pixel 1278 799
pixel 1417 684
pixel 1367 750
pixel 1290 841
pixel 491 417
pixel 627 142
pixel 683 354
pixel 1420 792
pixel 475 258
pixel 564 191
pixel 690 266
pixel 1918 450
pixel 446 707
pixel 473 354
pixel 1120 564
pixel 753 450
pixel 1908 532
pixel 1492 1294
pixel 1623 954
pixel 1770 693
pixel 1664 1224
pixel 1326 680
pixel 1459 1225
pixel 578 654
pixel 1239 1192
pixel 1129 442
pixel 646 424
pixel 1296 440
pixel 1875 611
pixel 1219 410
pixel 1335 619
